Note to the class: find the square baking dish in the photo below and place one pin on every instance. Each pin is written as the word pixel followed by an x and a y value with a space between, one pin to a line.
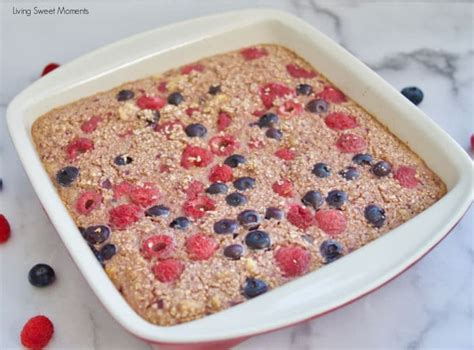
pixel 315 293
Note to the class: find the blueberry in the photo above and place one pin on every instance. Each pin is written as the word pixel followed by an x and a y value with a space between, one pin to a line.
pixel 336 198
pixel 313 198
pixel 362 159
pixel 96 234
pixel 180 223
pixel 226 226
pixel 214 89
pixel 82 230
pixel 67 175
pixel 41 275
pixel 125 95
pixel 97 254
pixel 1 184
pixel 123 159
pixel 268 120
pixel 158 210
pixel 234 251
pixel 253 287
pixel 349 173
pixel 274 213
pixel 175 98
pixel 304 89
pixel 381 168
pixel 321 170
pixel 249 219
pixel 244 183
pixel 108 251
pixel 235 199
pixel 257 239
pixel 195 130
pixel 273 133
pixel 331 250
pixel 414 94
pixel 375 215
pixel 234 160
pixel 317 106
pixel 217 188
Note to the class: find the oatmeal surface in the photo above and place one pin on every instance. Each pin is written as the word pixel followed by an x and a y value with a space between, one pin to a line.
pixel 300 174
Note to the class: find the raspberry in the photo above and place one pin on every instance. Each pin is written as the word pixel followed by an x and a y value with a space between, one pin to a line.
pixel 122 189
pixel 350 143
pixel 195 156
pixel 472 142
pixel 4 229
pixel 168 270
pixel 192 67
pixel 300 216
pixel 162 86
pixel 91 124
pixel 197 208
pixel 331 94
pixel 269 92
pixel 194 189
pixel 285 154
pixel 340 121
pixel 223 121
pixel 406 176
pixel 252 53
pixel 124 215
pixel 169 128
pixel 158 246
pixel 49 68
pixel 223 145
pixel 77 146
pixel 298 72
pixel 292 260
pixel 37 332
pixel 284 188
pixel 88 201
pixel 331 221
pixel 144 196
pixel 200 246
pixel 220 173
pixel 291 108
pixel 189 111
pixel 150 102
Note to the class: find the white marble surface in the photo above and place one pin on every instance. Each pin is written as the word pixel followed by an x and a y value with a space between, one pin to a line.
pixel 429 44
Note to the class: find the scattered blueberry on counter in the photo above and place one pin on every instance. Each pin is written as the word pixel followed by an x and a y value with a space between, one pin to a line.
pixel 414 94
pixel 41 275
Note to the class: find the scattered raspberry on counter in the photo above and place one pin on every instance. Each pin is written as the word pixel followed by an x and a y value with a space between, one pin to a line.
pixel 4 229
pixel 49 68
pixel 37 332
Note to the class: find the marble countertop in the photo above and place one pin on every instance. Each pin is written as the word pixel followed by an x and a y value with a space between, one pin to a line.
pixel 428 44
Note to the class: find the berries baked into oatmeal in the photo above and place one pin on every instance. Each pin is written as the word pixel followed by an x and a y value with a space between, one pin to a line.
pixel 213 183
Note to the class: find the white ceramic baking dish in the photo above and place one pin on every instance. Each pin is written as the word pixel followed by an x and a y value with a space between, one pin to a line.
pixel 314 294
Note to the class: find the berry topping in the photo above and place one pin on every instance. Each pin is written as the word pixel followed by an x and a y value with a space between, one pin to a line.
pixel 317 106
pixel 144 196
pixel 88 201
pixel 41 275
pixel 198 207
pixel 257 239
pixel 268 120
pixel 158 246
pixel 96 234
pixel 321 170
pixel 285 154
pixel 37 332
pixel 223 121
pixel 200 247
pixel 150 102
pixel 124 95
pixel 249 219
pixel 273 133
pixel 252 53
pixel 269 92
pixel 406 177
pixel 78 146
pixel 5 229
pixel 158 210
pixel 217 188
pixel 123 159
pixel 49 68
pixel 375 215
pixel 194 189
pixel 124 215
pixel 283 187
pixel 291 108
pixel 313 199
pixel 331 250
pixel 234 251
pixel 304 89
pixel 90 125
pixel 195 156
pixel 336 199
pixel 414 94
pixel 298 72
pixel 350 173
pixel 214 89
pixel 108 251
pixel 292 260
pixel 362 159
pixel 122 189
pixel 300 216
pixel 196 67
pixel 175 98
pixel 163 86
pixel 274 213
pixel 168 270
pixel 382 168
pixel 340 121
pixel 351 143
pixel 244 183
pixel 195 130
pixel 180 223
pixel 234 160
pixel 332 95
pixel 66 176
pixel 226 226
pixel 235 199
pixel 331 221
pixel 254 287
pixel 223 145
pixel 472 143
pixel 169 128
pixel 220 173
pixel 97 255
